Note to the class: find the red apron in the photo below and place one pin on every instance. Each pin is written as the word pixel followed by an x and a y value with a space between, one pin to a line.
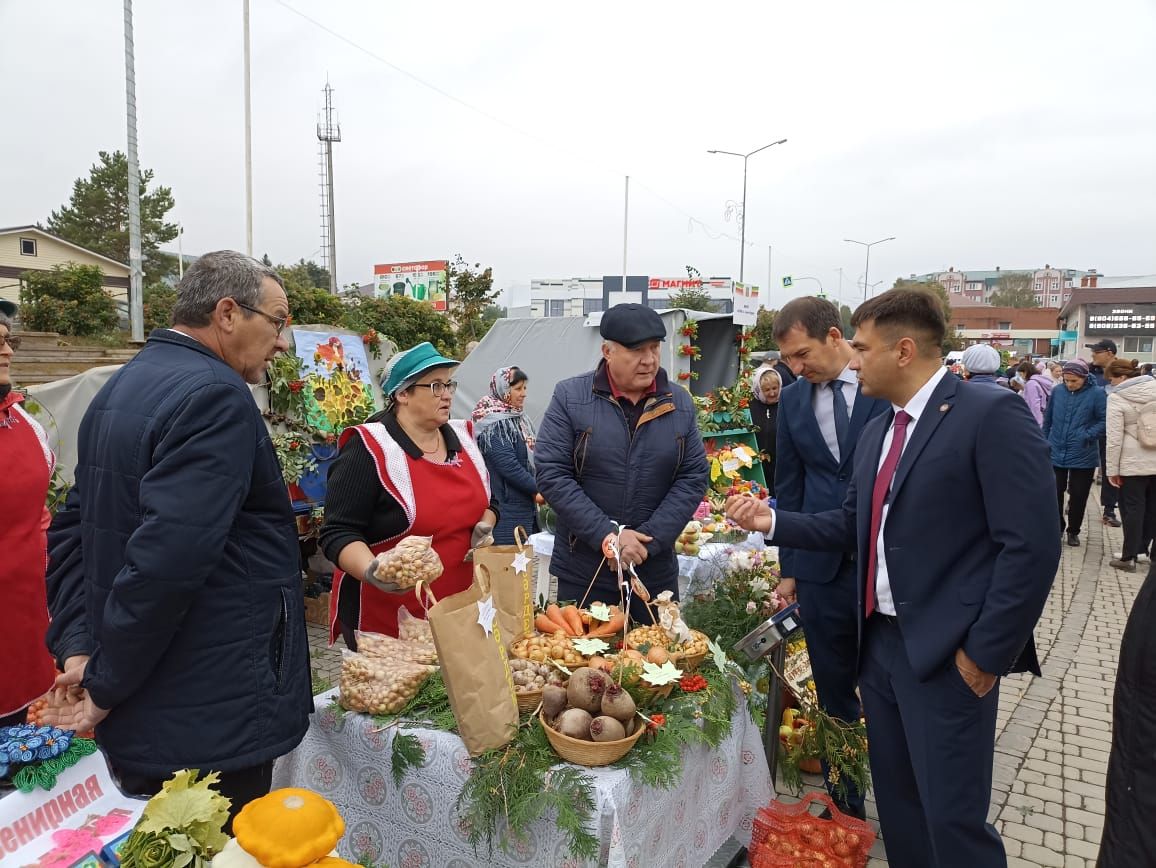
pixel 29 669
pixel 443 501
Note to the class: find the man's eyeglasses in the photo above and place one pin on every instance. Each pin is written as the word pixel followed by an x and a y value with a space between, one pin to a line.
pixel 439 388
pixel 12 341
pixel 279 322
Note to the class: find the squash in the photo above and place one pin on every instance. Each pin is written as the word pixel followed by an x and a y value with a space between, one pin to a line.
pixel 289 828
pixel 234 857
pixel 333 862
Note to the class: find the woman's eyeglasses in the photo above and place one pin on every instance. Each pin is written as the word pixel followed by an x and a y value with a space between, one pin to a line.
pixel 439 388
pixel 12 341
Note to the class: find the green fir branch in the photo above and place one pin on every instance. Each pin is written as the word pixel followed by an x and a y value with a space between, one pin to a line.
pixel 405 753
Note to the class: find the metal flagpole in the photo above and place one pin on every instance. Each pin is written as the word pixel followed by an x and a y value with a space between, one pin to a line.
pixel 625 229
pixel 248 141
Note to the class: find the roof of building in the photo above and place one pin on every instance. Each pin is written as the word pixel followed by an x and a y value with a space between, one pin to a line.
pixel 12 230
pixel 1142 281
pixel 989 275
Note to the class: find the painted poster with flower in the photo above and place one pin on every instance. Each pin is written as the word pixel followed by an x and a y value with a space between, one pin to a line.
pixel 71 823
pixel 336 380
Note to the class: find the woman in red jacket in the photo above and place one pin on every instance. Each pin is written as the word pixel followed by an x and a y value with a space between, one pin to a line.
pixel 28 464
pixel 408 471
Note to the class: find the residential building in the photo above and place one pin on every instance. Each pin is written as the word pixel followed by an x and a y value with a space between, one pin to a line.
pixel 28 248
pixel 582 296
pixel 1119 309
pixel 1019 330
pixel 1052 286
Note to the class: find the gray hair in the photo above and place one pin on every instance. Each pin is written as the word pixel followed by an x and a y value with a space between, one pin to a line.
pixel 217 275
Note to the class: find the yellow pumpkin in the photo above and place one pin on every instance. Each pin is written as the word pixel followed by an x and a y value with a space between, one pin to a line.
pixel 288 828
pixel 333 862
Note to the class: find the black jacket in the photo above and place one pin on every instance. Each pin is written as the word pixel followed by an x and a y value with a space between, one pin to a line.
pixel 192 606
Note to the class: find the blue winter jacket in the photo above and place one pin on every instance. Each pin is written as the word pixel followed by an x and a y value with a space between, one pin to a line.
pixel 1074 424
pixel 189 569
pixel 512 485
pixel 594 473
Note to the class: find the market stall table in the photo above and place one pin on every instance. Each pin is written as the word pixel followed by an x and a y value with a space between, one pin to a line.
pixel 346 758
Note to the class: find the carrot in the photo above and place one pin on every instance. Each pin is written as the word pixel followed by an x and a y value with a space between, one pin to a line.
pixel 609 628
pixel 555 614
pixel 545 626
pixel 573 621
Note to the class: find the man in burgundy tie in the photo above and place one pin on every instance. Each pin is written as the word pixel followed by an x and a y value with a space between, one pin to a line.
pixel 949 592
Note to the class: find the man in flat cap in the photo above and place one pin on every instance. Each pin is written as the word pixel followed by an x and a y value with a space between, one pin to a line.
pixel 619 457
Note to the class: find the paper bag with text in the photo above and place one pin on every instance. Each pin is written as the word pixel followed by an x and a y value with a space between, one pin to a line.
pixel 475 667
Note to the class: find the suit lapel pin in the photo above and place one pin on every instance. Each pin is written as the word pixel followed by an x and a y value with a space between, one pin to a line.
pixel 943 408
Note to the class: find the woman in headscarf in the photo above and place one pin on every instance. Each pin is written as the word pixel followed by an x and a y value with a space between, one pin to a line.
pixel 766 385
pixel 408 471
pixel 505 436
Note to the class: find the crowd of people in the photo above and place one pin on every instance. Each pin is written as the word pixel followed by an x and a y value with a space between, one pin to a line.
pixel 172 607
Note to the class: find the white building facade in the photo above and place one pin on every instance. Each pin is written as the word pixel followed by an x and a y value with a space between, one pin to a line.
pixel 582 296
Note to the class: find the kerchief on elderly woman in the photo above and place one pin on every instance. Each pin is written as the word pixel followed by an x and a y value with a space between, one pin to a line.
pixel 495 417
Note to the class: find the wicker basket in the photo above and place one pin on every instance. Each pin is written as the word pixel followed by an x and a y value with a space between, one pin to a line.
pixel 690 662
pixel 590 753
pixel 528 702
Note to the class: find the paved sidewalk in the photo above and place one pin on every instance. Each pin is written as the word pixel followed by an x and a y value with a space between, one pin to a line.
pixel 1053 733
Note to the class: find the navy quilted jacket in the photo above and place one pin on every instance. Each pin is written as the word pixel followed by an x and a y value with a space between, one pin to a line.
pixel 593 473
pixel 189 573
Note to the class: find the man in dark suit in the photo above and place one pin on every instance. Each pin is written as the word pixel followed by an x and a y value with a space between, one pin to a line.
pixel 820 418
pixel 949 590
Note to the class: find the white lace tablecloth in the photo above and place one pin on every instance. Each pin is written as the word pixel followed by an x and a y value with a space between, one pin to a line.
pixel 346 759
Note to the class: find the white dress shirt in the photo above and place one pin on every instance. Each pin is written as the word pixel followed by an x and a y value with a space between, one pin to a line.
pixel 823 406
pixel 915 408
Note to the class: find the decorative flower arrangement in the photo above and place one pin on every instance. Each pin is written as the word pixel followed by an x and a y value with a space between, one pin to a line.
pixel 372 341
pixel 726 408
pixel 33 756
pixel 181 825
pixel 295 453
pixel 689 349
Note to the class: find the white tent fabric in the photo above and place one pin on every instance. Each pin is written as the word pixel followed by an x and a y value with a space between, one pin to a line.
pixel 61 407
pixel 550 349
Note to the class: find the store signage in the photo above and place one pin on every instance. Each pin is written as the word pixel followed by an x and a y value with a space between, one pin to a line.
pixel 676 284
pixel 1121 319
pixel 421 281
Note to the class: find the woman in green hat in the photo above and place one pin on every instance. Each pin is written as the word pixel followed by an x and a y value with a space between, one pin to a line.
pixel 408 471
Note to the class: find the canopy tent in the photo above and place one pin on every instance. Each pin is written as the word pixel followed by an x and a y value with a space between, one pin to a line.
pixel 550 349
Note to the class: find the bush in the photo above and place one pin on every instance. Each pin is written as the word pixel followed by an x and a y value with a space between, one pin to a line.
pixel 404 321
pixel 309 304
pixel 159 301
pixel 69 299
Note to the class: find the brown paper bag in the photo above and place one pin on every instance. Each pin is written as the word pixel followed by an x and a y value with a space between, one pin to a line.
pixel 513 591
pixel 475 669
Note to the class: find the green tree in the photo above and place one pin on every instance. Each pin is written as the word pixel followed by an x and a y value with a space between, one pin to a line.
pixel 845 314
pixel 952 341
pixel 309 304
pixel 472 292
pixel 159 301
pixel 763 334
pixel 402 320
pixel 694 298
pixel 96 217
pixel 1015 290
pixel 70 299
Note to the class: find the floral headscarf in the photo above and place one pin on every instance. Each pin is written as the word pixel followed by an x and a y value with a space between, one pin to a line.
pixel 495 417
pixel 757 377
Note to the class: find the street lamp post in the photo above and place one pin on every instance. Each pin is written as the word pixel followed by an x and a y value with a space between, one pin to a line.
pixel 867 267
pixel 743 212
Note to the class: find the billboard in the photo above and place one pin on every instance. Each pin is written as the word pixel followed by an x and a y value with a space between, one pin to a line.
pixel 1130 318
pixel 421 281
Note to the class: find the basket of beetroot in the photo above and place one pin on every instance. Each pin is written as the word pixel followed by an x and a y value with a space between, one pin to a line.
pixel 592 721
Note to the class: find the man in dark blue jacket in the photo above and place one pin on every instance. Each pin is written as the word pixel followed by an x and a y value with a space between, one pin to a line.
pixel 949 590
pixel 619 447
pixel 180 624
pixel 820 418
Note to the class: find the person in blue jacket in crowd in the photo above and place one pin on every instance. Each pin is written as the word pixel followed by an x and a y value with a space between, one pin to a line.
pixel 1073 425
pixel 175 583
pixel 619 457
pixel 505 435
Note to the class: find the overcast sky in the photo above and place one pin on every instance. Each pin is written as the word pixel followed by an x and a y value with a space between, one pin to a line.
pixel 980 134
